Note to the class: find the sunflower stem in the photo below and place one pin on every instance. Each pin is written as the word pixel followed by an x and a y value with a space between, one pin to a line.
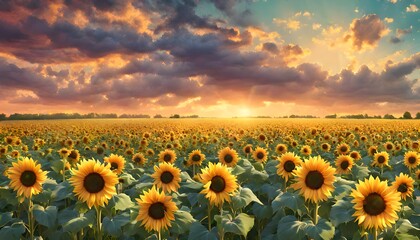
pixel 31 219
pixel 375 234
pixel 64 168
pixel 209 216
pixel 159 235
pixel 285 185
pixel 98 223
pixel 193 170
pixel 316 214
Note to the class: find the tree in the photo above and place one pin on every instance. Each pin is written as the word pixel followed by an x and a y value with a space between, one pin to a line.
pixel 418 115
pixel 175 116
pixel 407 115
pixel 2 116
pixel 158 116
pixel 331 116
pixel 389 116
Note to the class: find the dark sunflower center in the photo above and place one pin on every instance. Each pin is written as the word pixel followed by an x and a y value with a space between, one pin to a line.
pixel 94 183
pixel 114 166
pixel 196 158
pixel 28 178
pixel 217 184
pixel 381 159
pixel 412 160
pixel 167 157
pixel 99 150
pixel 157 210
pixel 305 150
pixel 289 166
pixel 343 149
pixel 137 159
pixel 314 180
pixel 373 151
pixel 325 146
pixel 228 158
pixel 344 165
pixel 281 148
pixel 247 150
pixel 166 177
pixel 353 155
pixel 73 154
pixel 402 188
pixel 374 204
pixel 389 146
pixel 260 155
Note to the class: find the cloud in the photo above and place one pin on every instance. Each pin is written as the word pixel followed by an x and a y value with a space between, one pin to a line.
pixel 366 32
pixel 412 8
pixel 388 20
pixel 399 34
pixel 288 23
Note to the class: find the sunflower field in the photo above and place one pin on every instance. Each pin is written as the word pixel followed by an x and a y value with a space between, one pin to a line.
pixel 210 179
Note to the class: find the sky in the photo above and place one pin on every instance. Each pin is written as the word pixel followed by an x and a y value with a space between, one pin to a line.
pixel 214 58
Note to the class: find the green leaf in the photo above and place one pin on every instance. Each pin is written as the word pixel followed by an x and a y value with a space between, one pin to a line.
pixel 237 170
pixel 76 224
pixel 182 222
pixel 46 217
pixel 359 172
pixel 240 225
pixel 290 228
pixel 245 197
pixel 323 230
pixel 113 225
pixel 12 232
pixel 198 231
pixel 341 212
pixel 5 218
pixel 404 227
pixel 288 199
pixel 262 211
pixel 62 191
pixel 121 202
pixel 343 188
pixel 66 215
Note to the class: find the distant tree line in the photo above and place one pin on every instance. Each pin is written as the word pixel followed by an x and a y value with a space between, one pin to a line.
pixel 52 116
pixel 406 115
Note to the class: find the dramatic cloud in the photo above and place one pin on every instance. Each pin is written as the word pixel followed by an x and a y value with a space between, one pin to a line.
pixel 366 31
pixel 164 56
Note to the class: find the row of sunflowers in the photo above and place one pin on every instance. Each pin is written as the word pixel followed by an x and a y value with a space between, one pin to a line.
pixel 211 179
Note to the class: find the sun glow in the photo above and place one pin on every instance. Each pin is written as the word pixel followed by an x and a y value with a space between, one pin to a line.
pixel 244 112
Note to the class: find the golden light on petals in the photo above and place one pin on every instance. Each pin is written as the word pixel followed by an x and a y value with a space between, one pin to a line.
pixel 314 179
pixel 376 205
pixel 26 177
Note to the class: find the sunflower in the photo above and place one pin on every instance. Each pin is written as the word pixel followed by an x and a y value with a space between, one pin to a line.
pixel 411 159
pixel 195 158
pixel 93 182
pixel 74 156
pixel 418 175
pixel 260 155
pixel 156 210
pixel 306 150
pixel 247 149
pixel 281 148
pixel 167 155
pixel 315 179
pixel 167 177
pixel 389 146
pixel 26 177
pixel 138 159
pixel 64 152
pixel 342 149
pixel 404 184
pixel 218 182
pixel 380 159
pixel 355 155
pixel 344 163
pixel 372 150
pixel 375 203
pixel 15 154
pixel 228 156
pixel 326 147
pixel 116 162
pixel 287 164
